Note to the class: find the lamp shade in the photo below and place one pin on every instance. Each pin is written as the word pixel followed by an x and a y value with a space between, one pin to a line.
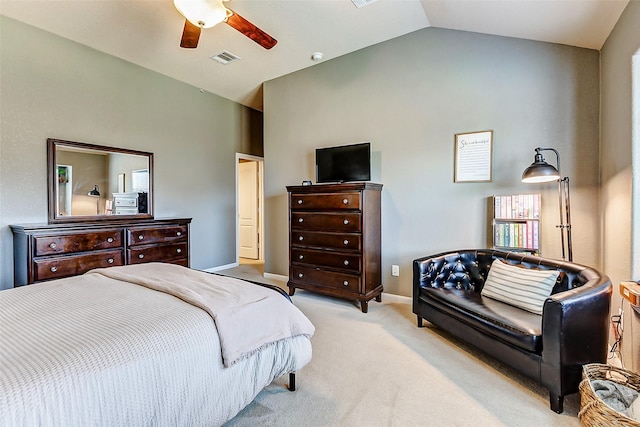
pixel 94 192
pixel 540 171
pixel 202 13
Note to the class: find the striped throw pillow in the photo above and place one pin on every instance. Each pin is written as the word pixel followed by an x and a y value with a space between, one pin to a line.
pixel 526 288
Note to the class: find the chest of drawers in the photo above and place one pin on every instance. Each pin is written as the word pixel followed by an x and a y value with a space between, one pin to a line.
pixel 334 240
pixel 45 252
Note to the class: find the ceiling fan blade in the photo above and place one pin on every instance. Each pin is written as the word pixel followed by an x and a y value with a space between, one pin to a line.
pixel 190 35
pixel 251 31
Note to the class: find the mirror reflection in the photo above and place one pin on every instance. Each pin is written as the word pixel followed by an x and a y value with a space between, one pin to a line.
pixel 97 181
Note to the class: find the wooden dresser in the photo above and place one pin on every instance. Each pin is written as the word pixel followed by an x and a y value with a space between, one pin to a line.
pixel 52 251
pixel 334 240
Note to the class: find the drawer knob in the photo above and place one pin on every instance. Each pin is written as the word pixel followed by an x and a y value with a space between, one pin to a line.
pixel 110 240
pixel 110 260
pixel 299 202
pixel 346 242
pixel 300 256
pixel 345 222
pixel 346 283
pixel 54 269
pixel 346 262
pixel 300 275
pixel 345 201
pixel 52 245
pixel 179 233
pixel 141 256
pixel 301 238
pixel 300 219
pixel 140 237
pixel 179 250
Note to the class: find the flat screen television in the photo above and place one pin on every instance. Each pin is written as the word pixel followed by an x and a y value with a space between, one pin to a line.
pixel 344 163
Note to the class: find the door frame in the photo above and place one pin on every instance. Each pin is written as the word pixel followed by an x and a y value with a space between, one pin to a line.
pixel 260 161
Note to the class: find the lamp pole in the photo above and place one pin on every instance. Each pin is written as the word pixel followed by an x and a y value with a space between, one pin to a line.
pixel 564 188
pixel 95 192
pixel 542 170
pixel 560 199
pixel 564 204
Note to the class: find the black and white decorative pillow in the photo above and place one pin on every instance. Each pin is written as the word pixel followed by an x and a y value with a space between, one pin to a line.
pixel 526 288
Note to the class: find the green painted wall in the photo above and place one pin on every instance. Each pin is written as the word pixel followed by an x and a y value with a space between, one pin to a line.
pixel 618 169
pixel 51 87
pixel 409 96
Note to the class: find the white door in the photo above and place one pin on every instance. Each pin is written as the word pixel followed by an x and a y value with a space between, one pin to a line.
pixel 64 187
pixel 248 209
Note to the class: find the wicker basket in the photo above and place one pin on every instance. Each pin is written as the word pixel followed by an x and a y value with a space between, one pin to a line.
pixel 593 411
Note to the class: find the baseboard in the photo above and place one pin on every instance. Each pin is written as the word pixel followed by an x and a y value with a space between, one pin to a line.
pixel 400 299
pixel 221 267
pixel 276 277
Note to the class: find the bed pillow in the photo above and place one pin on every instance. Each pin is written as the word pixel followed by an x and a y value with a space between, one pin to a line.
pixel 526 288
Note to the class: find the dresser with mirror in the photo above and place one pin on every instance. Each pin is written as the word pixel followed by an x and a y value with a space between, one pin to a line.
pixel 100 214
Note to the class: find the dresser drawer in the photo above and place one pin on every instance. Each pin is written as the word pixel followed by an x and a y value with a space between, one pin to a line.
pixel 329 201
pixel 147 235
pixel 181 261
pixel 327 240
pixel 338 260
pixel 77 242
pixel 325 279
pixel 49 251
pixel 125 211
pixel 72 265
pixel 168 253
pixel 340 221
pixel 334 240
pixel 126 202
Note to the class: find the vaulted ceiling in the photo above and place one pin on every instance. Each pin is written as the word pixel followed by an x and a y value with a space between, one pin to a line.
pixel 147 32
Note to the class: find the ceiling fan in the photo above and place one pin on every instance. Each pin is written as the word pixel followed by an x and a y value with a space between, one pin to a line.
pixel 201 14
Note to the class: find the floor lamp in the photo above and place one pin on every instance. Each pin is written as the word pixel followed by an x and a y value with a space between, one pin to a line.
pixel 95 193
pixel 541 171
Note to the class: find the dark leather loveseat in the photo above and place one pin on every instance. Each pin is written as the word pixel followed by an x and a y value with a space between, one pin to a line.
pixel 549 348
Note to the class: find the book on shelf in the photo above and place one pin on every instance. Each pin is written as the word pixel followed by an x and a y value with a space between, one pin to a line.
pixel 517 206
pixel 522 235
pixel 516 221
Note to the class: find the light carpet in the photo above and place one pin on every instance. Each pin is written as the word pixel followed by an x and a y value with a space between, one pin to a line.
pixel 380 369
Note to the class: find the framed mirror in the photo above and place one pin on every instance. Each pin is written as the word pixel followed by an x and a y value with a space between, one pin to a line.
pixel 90 182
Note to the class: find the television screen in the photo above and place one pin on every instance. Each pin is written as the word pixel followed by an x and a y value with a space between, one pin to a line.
pixel 344 163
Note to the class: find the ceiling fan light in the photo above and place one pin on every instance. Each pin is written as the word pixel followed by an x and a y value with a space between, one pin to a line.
pixel 203 13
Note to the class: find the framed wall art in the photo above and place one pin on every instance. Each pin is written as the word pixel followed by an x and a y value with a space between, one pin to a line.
pixel 473 156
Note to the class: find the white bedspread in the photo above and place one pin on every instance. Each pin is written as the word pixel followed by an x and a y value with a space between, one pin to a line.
pixel 92 350
pixel 247 316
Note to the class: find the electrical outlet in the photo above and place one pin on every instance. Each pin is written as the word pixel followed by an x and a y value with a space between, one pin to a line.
pixel 395 270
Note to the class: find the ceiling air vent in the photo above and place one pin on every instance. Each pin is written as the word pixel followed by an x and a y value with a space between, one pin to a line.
pixel 362 3
pixel 225 57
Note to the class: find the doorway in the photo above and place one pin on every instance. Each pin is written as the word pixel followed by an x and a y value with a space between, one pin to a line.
pixel 249 209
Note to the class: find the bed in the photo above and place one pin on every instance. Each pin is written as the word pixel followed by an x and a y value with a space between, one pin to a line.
pixel 149 344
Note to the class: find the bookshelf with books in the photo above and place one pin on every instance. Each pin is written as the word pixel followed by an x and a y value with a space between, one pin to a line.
pixel 516 223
